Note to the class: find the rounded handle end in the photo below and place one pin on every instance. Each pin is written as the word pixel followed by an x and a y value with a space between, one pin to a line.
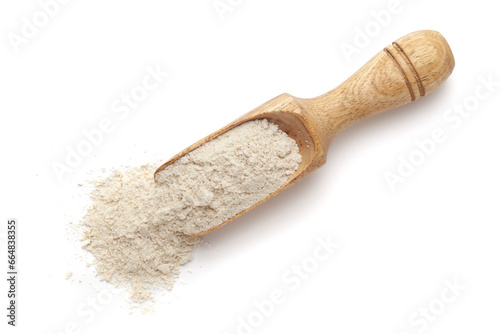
pixel 424 58
pixel 411 67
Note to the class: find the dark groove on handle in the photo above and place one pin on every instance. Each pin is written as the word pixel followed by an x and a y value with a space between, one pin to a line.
pixel 412 68
pixel 412 94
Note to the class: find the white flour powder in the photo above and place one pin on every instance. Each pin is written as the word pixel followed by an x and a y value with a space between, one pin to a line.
pixel 225 176
pixel 136 230
pixel 128 249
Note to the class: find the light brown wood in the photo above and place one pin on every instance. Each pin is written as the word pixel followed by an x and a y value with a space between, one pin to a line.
pixel 410 68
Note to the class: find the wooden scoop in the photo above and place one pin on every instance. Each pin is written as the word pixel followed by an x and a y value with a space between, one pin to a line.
pixel 412 67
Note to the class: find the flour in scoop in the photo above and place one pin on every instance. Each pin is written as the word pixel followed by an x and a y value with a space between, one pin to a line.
pixel 137 230
pixel 225 176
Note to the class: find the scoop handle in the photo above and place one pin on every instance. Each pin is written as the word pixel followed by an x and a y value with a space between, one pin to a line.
pixel 408 69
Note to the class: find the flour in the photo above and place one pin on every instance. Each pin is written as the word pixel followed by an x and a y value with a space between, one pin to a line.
pixel 225 176
pixel 128 249
pixel 136 229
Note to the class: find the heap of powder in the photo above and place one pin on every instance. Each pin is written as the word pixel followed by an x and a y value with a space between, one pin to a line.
pixel 225 176
pixel 128 249
pixel 137 230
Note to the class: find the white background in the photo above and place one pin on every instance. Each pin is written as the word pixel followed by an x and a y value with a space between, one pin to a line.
pixel 397 248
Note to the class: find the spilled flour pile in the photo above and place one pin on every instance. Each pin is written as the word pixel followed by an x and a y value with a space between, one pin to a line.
pixel 128 248
pixel 136 229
